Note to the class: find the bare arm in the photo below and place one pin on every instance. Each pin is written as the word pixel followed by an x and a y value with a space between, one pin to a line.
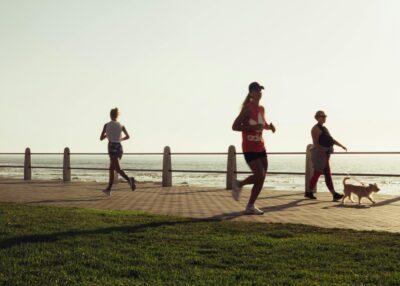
pixel 103 133
pixel 315 133
pixel 270 126
pixel 340 145
pixel 241 122
pixel 267 126
pixel 126 137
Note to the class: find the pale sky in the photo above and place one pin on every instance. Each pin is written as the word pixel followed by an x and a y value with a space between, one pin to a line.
pixel 179 71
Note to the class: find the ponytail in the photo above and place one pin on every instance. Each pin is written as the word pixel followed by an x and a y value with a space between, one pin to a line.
pixel 114 113
pixel 246 101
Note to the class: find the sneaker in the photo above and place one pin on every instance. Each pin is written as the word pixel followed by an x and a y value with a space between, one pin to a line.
pixel 107 192
pixel 253 210
pixel 337 197
pixel 132 183
pixel 236 190
pixel 310 195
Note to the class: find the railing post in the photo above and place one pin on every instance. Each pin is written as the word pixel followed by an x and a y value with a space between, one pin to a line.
pixel 66 165
pixel 27 165
pixel 309 169
pixel 167 167
pixel 231 167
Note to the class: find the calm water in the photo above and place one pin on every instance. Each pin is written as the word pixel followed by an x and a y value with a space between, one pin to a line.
pixel 293 163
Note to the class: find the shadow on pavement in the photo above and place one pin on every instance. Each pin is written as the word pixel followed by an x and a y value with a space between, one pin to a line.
pixel 269 209
pixel 368 204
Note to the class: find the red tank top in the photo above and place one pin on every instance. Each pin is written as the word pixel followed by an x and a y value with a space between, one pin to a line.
pixel 252 141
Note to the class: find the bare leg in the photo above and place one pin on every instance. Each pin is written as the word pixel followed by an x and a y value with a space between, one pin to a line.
pixel 110 176
pixel 257 168
pixel 264 162
pixel 248 181
pixel 118 169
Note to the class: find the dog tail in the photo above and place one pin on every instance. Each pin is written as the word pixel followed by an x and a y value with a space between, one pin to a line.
pixel 344 180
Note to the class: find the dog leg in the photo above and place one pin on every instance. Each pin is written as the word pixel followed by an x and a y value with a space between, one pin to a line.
pixel 372 201
pixel 359 201
pixel 351 198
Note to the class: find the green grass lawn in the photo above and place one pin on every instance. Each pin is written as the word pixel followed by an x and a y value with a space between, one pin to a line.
pixel 66 246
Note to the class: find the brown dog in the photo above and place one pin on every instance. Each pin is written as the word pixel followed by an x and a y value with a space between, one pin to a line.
pixel 360 191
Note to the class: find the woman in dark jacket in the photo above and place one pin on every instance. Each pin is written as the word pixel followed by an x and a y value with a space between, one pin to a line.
pixel 323 148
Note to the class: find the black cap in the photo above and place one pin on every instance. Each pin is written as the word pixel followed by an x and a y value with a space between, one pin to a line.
pixel 255 86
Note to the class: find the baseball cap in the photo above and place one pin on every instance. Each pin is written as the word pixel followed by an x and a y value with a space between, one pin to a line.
pixel 255 86
pixel 320 113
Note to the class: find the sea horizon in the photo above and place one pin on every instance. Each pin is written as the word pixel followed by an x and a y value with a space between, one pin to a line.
pixel 378 164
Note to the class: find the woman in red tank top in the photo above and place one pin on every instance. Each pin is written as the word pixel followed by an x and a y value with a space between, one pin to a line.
pixel 251 122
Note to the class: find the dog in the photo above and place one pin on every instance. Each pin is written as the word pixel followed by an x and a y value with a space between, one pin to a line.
pixel 360 191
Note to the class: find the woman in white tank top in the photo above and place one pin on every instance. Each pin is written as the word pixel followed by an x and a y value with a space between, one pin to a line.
pixel 113 131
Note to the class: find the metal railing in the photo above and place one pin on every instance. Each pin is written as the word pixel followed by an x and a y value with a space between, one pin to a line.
pixel 167 170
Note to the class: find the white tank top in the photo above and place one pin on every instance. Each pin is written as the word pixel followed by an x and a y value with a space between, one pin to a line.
pixel 113 131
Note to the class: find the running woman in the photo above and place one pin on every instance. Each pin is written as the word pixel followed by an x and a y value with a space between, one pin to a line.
pixel 320 154
pixel 251 122
pixel 113 131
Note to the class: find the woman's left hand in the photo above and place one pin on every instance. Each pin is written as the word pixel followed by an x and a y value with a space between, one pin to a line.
pixel 344 148
pixel 272 127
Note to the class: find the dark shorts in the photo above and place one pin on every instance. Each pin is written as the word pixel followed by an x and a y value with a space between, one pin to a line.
pixel 115 149
pixel 250 156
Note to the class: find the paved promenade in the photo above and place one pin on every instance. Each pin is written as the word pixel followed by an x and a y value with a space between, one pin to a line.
pixel 205 202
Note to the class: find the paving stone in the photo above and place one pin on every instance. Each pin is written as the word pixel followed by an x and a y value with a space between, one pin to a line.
pixel 212 203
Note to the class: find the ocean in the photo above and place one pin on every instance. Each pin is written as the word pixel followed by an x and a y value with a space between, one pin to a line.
pixel 277 163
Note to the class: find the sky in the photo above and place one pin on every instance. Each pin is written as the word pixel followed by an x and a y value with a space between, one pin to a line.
pixel 179 71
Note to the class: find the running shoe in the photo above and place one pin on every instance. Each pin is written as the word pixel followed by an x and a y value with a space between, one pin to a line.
pixel 236 189
pixel 253 210
pixel 107 192
pixel 337 197
pixel 132 183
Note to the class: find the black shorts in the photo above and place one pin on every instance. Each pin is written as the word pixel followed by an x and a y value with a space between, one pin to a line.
pixel 250 156
pixel 115 149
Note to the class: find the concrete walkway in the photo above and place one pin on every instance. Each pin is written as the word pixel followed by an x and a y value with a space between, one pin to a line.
pixel 205 202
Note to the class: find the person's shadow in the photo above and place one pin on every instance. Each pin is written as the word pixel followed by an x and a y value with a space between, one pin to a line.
pixel 269 209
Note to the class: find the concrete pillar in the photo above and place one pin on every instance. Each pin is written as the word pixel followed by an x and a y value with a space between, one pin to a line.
pixel 66 165
pixel 231 167
pixel 309 169
pixel 167 167
pixel 27 165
